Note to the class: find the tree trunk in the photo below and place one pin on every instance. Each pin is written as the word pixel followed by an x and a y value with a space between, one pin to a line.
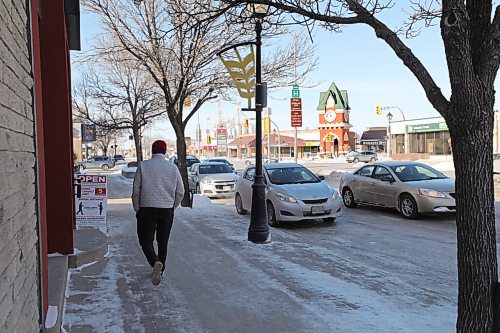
pixel 138 144
pixel 181 162
pixel 471 128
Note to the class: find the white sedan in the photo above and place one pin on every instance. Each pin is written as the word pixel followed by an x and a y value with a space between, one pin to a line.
pixel 293 193
pixel 212 179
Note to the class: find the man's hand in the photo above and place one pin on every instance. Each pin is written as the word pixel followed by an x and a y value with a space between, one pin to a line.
pixel 137 214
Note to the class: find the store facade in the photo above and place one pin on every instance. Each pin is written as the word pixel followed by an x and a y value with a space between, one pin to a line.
pixel 418 138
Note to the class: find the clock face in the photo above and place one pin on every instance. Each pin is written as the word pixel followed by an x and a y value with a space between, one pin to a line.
pixel 330 116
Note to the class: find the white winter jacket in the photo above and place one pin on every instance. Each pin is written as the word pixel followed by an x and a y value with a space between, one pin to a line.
pixel 157 183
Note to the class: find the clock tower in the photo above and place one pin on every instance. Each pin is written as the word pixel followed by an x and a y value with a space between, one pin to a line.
pixel 333 112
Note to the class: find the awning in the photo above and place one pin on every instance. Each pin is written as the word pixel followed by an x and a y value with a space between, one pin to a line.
pixel 374 137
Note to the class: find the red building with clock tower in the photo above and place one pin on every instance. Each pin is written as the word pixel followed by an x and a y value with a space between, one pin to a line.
pixel 333 112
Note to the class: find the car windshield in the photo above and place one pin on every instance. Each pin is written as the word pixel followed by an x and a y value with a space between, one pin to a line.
pixel 291 175
pixel 218 161
pixel 214 168
pixel 414 172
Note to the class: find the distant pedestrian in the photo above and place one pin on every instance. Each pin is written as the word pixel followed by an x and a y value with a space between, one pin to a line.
pixel 157 190
pixel 80 208
pixel 100 208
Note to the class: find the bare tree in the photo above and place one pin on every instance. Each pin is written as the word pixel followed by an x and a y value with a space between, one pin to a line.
pixel 104 137
pixel 179 52
pixel 118 96
pixel 471 34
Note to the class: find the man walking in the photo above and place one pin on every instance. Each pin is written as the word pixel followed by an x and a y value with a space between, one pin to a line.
pixel 157 190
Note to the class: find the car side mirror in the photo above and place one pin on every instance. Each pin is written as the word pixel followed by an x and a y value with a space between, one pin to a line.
pixel 321 178
pixel 387 179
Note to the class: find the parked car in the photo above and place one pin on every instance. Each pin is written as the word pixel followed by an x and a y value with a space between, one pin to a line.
pixel 265 159
pixel 220 160
pixel 119 159
pixel 293 193
pixel 190 160
pixel 212 179
pixel 361 156
pixel 98 162
pixel 410 187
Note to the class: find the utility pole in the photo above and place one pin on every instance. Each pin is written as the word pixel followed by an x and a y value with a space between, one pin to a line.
pixel 294 83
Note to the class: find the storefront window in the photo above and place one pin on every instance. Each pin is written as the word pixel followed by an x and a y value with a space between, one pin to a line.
pixel 433 143
pixel 398 141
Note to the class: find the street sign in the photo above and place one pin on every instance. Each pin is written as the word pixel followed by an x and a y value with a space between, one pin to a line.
pixel 295 91
pixel 296 104
pixel 296 117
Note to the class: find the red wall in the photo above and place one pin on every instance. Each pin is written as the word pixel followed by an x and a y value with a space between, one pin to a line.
pixel 58 130
pixel 40 151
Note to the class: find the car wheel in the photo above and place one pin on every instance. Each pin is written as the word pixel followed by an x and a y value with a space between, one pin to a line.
pixel 248 162
pixel 271 215
pixel 408 207
pixel 105 167
pixel 355 160
pixel 372 159
pixel 239 205
pixel 348 198
pixel 198 189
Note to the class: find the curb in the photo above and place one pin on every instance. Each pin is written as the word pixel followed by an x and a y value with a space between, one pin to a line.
pixel 90 245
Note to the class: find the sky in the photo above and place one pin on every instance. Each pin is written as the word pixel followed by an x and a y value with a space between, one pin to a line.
pixel 356 61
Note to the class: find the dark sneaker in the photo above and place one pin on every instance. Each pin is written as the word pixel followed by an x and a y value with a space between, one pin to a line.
pixel 156 276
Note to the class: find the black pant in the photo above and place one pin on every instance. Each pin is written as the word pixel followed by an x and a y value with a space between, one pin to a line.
pixel 149 221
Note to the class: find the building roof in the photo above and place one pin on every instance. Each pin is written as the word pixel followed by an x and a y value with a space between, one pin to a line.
pixel 374 135
pixel 248 141
pixel 288 140
pixel 340 97
pixel 243 140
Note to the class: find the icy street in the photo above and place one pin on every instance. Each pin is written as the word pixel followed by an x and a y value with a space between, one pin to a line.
pixel 370 271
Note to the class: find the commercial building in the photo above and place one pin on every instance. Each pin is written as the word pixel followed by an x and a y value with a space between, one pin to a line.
pixel 374 139
pixel 36 154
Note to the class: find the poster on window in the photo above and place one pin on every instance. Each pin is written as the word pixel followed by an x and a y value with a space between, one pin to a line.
pixel 91 203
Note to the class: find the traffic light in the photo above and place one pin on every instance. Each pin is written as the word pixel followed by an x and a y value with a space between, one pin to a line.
pixel 266 124
pixel 379 110
pixel 245 122
pixel 209 139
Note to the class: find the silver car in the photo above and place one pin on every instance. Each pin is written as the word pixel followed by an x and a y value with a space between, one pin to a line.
pixel 98 162
pixel 293 193
pixel 212 179
pixel 410 187
pixel 361 156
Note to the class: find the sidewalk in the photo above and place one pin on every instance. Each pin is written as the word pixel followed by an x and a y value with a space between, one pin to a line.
pixel 217 281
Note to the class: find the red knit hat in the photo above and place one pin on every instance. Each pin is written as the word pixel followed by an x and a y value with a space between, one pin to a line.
pixel 159 147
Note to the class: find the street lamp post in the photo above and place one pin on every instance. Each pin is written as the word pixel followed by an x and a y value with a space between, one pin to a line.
pixel 389 118
pixel 258 231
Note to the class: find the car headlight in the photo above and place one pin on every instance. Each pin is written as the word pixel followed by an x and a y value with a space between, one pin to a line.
pixel 334 194
pixel 206 181
pixel 284 197
pixel 431 193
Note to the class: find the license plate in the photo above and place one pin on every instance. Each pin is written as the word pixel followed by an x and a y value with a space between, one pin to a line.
pixel 226 188
pixel 317 210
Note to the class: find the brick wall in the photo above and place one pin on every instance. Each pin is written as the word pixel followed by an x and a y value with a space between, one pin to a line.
pixel 18 219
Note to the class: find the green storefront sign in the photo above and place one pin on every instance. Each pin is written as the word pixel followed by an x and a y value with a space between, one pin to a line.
pixel 433 127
